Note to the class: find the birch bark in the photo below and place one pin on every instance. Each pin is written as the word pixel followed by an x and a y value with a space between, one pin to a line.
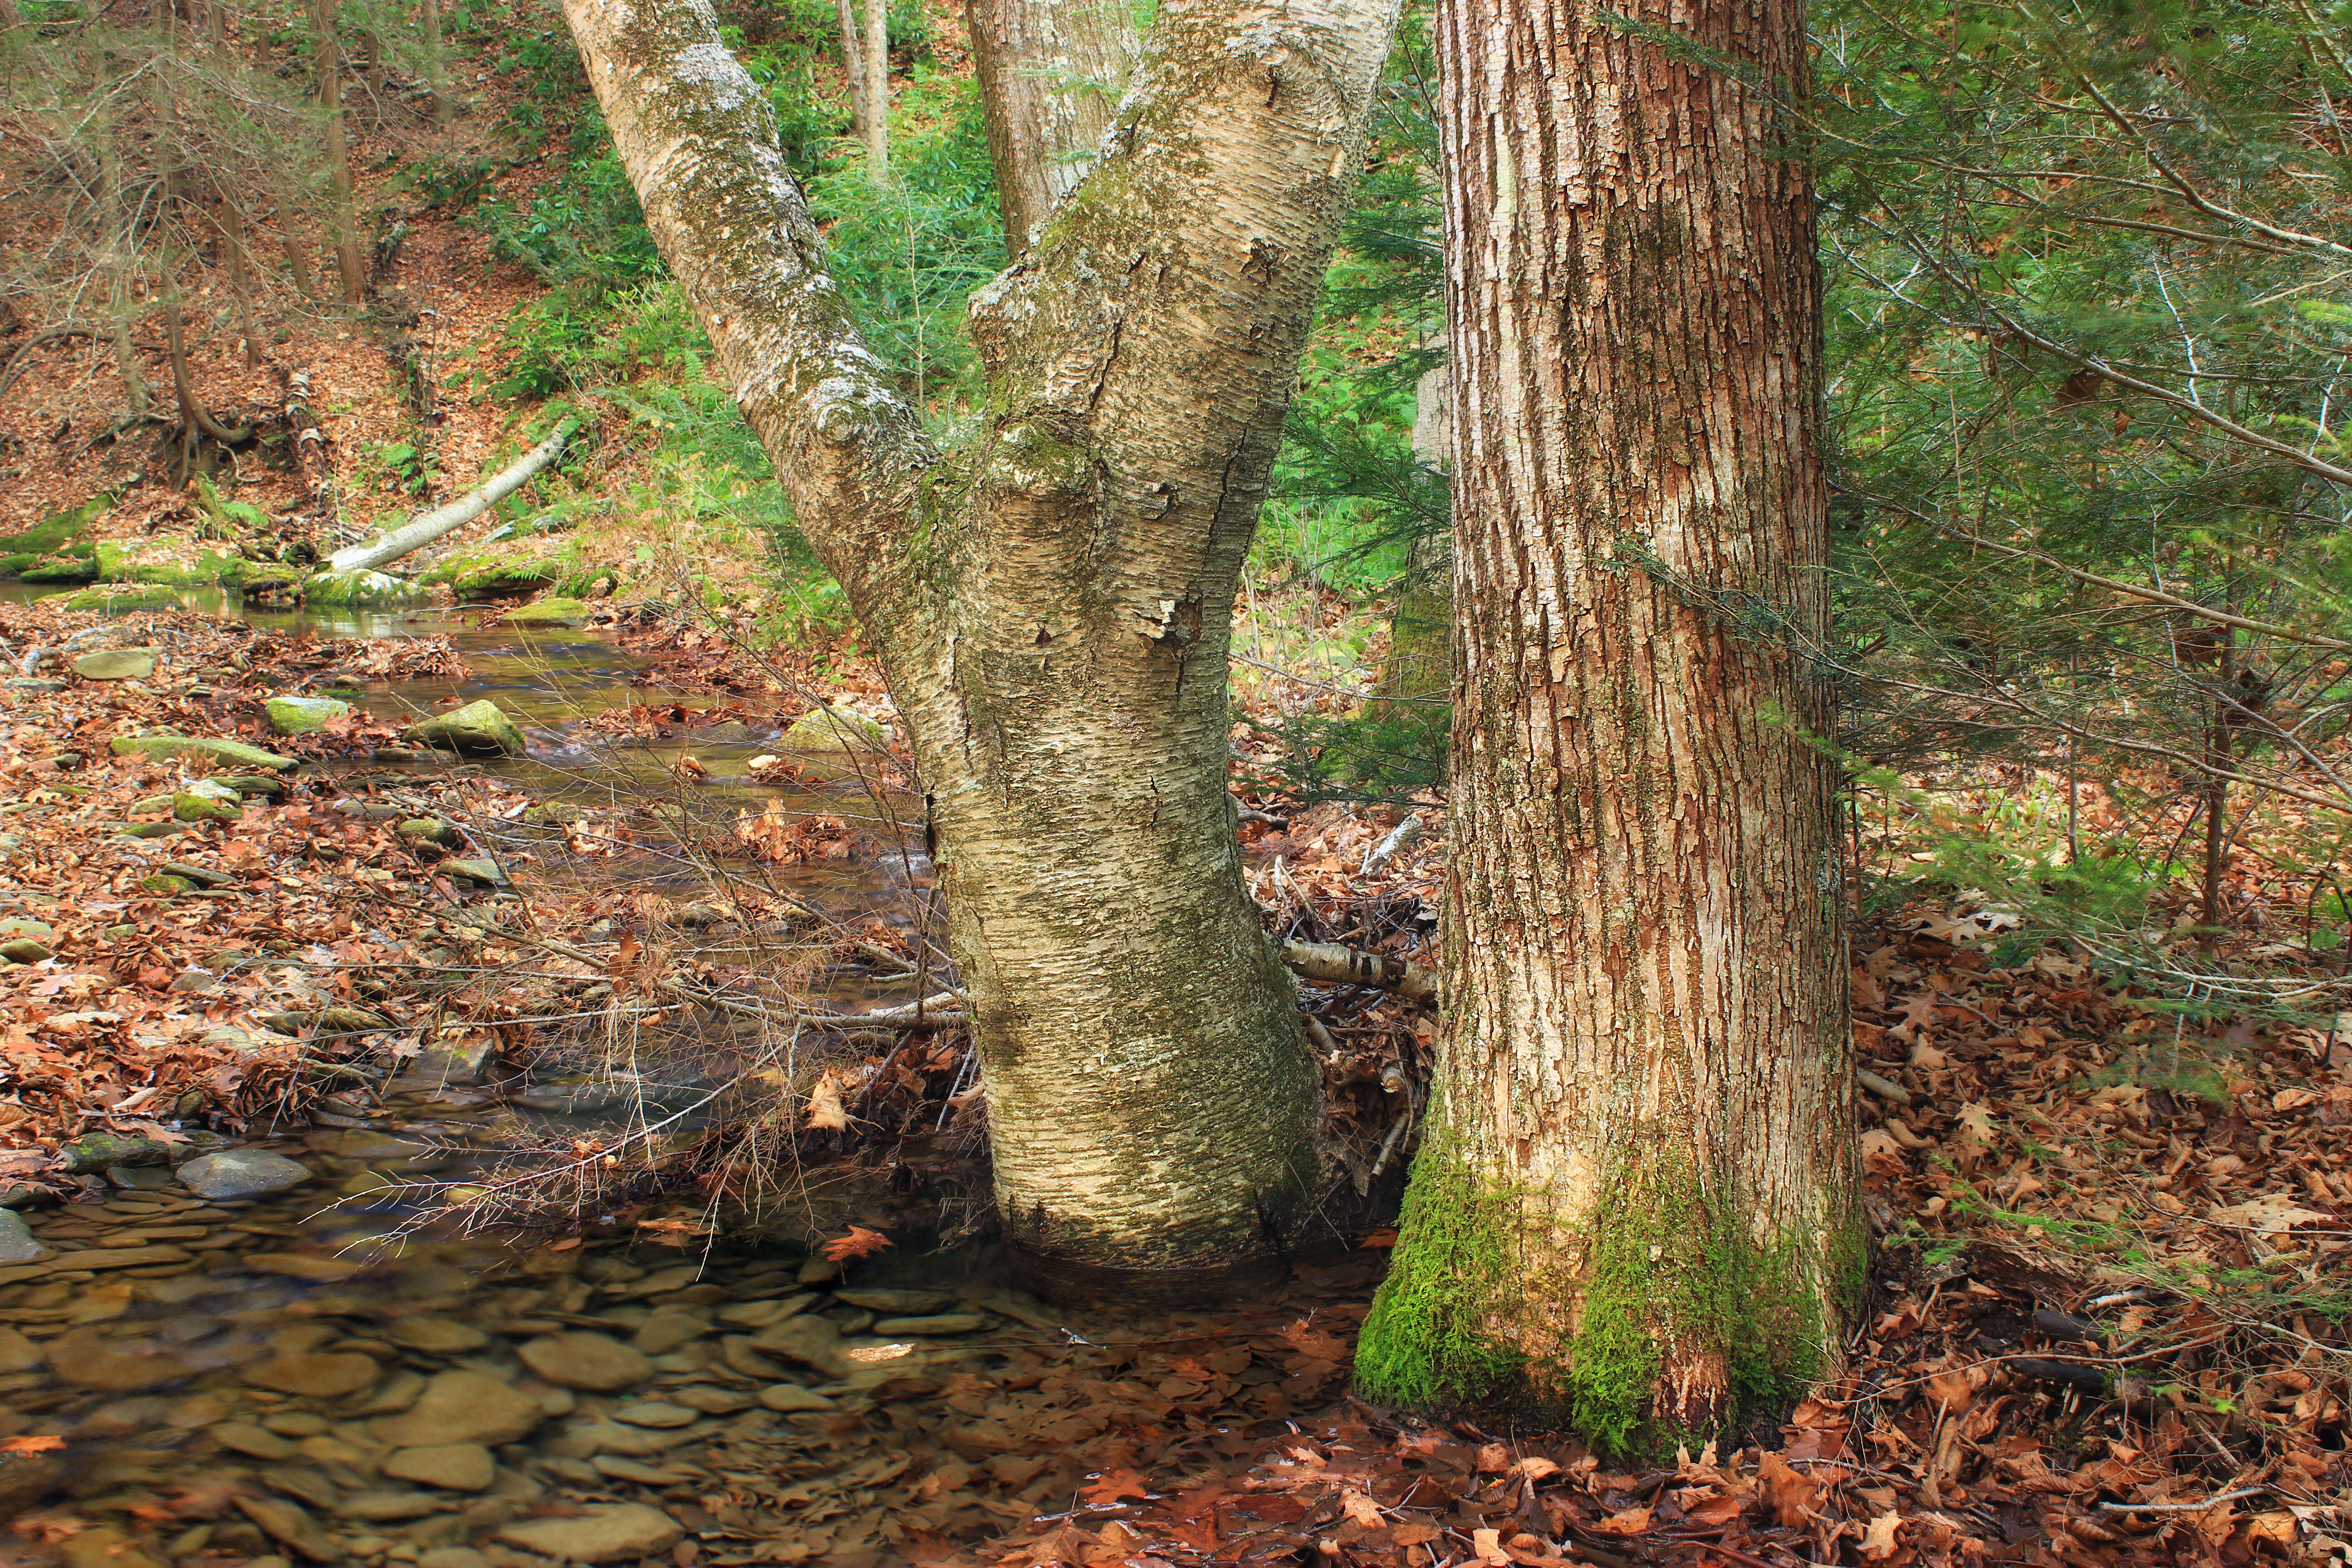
pixel 1635 1205
pixel 1051 601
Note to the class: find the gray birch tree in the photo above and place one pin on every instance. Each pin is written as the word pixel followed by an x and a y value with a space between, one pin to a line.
pixel 1051 599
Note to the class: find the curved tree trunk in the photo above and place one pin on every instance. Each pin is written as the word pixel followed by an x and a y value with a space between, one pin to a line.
pixel 1635 1204
pixel 1052 602
pixel 1051 76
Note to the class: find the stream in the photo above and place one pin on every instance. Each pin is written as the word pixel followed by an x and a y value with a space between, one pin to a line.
pixel 312 1375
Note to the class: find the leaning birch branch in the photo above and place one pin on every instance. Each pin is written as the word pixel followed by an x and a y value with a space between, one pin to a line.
pixel 1334 964
pixel 415 535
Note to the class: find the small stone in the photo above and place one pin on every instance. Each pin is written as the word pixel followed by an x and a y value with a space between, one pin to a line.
pixel 244 1437
pixel 320 1375
pixel 612 1437
pixel 608 1532
pixel 384 1507
pixel 428 831
pixel 435 1336
pixel 655 1412
pixel 196 874
pixel 760 1314
pixel 597 1362
pixel 241 1174
pixel 301 1265
pixel 711 1400
pixel 288 1525
pixel 117 664
pixel 482 871
pixel 25 950
pixel 458 1467
pixel 144 830
pixel 303 715
pixel 118 1257
pixel 942 1323
pixel 477 728
pixel 899 1303
pixel 19 1354
pixel 24 925
pixel 790 1397
pixel 811 1341
pixel 235 1041
pixel 103 1547
pixel 461 1407
pixel 196 808
pixel 664 1332
pixel 444 1557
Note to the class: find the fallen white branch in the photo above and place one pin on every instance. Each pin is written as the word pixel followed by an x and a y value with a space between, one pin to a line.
pixel 1334 964
pixel 422 530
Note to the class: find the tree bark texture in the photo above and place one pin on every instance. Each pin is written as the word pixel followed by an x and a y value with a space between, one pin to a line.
pixel 853 64
pixel 1052 73
pixel 1051 601
pixel 1417 677
pixel 1635 1204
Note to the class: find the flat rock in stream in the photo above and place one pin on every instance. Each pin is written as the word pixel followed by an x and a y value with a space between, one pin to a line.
pixel 597 1362
pixel 551 612
pixel 319 1374
pixel 608 1532
pixel 478 729
pixel 241 1174
pixel 117 664
pixel 458 1467
pixel 942 1323
pixel 19 1354
pixel 811 1341
pixel 97 1151
pixel 461 1407
pixel 435 1336
pixel 288 1524
pixel 789 1397
pixel 897 1303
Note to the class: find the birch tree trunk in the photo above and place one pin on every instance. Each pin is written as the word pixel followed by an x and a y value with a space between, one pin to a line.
pixel 853 64
pixel 1052 602
pixel 1051 76
pixel 1635 1207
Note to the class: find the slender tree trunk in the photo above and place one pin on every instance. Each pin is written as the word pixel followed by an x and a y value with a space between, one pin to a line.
pixel 853 64
pixel 436 67
pixel 1052 602
pixel 1636 1204
pixel 1417 678
pixel 2220 751
pixel 338 153
pixel 875 58
pixel 1051 75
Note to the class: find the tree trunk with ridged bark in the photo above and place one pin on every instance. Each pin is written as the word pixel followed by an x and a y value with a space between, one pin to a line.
pixel 1052 73
pixel 1051 600
pixel 1635 1204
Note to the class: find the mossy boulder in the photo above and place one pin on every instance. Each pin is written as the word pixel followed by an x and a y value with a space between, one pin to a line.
pixel 12 564
pixel 117 598
pixel 496 573
pixel 74 566
pixel 57 529
pixel 552 611
pixel 303 715
pixel 478 729
pixel 158 564
pixel 358 588
pixel 164 747
pixel 203 808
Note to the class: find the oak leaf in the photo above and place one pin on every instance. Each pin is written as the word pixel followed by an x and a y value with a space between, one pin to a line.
pixel 1878 1541
pixel 1790 1494
pixel 825 1107
pixel 859 1243
pixel 1112 1485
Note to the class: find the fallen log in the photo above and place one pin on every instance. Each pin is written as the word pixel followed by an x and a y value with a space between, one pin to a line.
pixel 423 530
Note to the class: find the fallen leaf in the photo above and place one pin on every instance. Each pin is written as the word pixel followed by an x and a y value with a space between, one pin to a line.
pixel 1488 1545
pixel 1878 1541
pixel 1790 1494
pixel 41 1445
pixel 859 1243
pixel 825 1107
pixel 1113 1485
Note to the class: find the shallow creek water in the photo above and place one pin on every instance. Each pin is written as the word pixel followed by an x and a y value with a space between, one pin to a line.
pixel 309 1377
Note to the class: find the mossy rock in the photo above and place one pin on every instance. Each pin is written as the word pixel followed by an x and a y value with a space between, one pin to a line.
pixel 165 747
pixel 122 563
pixel 250 784
pixel 828 742
pixel 303 715
pixel 480 728
pixel 116 598
pixel 67 568
pixel 164 885
pixel 13 565
pixel 202 808
pixel 552 611
pixel 428 829
pixel 57 529
pixel 358 588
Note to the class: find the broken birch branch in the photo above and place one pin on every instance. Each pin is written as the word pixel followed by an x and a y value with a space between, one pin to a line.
pixel 420 531
pixel 1334 964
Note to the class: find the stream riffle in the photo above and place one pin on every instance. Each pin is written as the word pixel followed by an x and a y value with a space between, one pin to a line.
pixel 324 1373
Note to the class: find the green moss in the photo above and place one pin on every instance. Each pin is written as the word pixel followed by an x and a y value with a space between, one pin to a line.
pixel 57 529
pixel 1663 1279
pixel 1664 1271
pixel 1431 1338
